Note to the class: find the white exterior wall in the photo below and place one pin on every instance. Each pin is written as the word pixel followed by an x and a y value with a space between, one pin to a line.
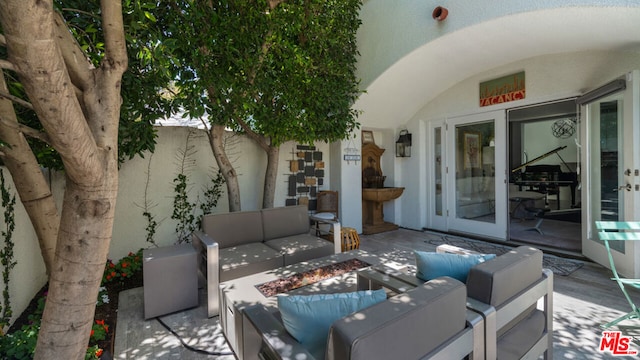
pixel 29 274
pixel 129 232
pixel 248 159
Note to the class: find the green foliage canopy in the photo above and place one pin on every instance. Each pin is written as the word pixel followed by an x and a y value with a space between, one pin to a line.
pixel 284 69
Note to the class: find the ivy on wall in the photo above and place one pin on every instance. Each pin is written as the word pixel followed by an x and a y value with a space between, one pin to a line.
pixel 6 253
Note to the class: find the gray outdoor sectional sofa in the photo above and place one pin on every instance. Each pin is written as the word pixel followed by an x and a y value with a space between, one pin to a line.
pixel 237 244
pixel 501 297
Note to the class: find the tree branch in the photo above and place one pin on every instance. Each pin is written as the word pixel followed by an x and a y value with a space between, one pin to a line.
pixel 114 40
pixel 32 44
pixel 274 3
pixel 259 139
pixel 30 132
pixel 5 64
pixel 78 66
pixel 103 105
pixel 16 100
pixel 3 40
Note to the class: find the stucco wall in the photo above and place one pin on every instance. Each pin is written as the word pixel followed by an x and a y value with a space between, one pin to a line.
pixel 29 274
pixel 248 159
pixel 155 172
pixel 392 29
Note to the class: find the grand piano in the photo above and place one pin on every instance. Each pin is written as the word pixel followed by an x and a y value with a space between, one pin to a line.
pixel 546 179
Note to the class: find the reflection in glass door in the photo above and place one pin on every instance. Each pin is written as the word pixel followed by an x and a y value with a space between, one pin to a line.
pixel 475 172
pixel 477 183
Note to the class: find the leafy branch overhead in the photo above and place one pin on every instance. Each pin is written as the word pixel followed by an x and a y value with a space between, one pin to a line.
pixel 272 66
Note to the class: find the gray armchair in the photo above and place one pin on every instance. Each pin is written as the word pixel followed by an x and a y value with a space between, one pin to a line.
pixel 505 291
pixel 428 322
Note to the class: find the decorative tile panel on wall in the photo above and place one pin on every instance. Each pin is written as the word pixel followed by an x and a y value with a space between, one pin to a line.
pixel 306 176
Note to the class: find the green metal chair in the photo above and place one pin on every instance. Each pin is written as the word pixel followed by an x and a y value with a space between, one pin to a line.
pixel 620 231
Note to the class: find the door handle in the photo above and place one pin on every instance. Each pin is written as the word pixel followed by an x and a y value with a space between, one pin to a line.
pixel 627 187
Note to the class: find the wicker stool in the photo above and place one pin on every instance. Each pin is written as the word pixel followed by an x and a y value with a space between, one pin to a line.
pixel 350 239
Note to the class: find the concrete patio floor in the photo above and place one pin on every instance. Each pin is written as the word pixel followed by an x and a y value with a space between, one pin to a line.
pixel 582 301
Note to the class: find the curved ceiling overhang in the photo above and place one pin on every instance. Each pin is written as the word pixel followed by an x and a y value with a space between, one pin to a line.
pixel 395 96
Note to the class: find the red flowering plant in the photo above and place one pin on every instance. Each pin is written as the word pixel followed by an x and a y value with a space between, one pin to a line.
pixel 99 331
pixel 125 268
pixel 93 352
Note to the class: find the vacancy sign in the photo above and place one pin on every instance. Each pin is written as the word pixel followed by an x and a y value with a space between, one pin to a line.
pixel 502 90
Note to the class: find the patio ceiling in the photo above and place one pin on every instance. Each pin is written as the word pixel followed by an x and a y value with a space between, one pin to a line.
pixel 408 85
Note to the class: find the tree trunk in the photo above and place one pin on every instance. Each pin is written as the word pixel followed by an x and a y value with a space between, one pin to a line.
pixel 270 177
pixel 216 139
pixel 32 187
pixel 83 245
pixel 86 137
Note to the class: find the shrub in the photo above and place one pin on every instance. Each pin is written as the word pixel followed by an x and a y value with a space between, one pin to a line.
pixel 125 268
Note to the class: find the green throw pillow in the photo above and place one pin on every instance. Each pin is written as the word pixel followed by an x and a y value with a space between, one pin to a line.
pixel 432 265
pixel 308 318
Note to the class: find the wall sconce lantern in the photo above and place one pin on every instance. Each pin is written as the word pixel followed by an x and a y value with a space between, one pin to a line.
pixel 403 145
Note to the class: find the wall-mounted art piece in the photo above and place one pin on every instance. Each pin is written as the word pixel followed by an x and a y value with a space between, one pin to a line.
pixel 306 176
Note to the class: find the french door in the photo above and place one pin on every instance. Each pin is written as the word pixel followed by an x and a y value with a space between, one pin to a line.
pixel 473 179
pixel 610 119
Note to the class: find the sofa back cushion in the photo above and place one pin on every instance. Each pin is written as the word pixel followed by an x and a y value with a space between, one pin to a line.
pixel 496 281
pixel 285 221
pixel 407 326
pixel 431 265
pixel 233 229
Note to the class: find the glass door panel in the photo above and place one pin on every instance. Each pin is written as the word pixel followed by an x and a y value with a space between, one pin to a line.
pixel 475 174
pixel 437 161
pixel 437 219
pixel 607 199
pixel 477 190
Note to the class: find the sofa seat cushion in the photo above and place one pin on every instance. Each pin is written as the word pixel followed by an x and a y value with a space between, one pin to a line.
pixel 516 341
pixel 247 259
pixel 302 247
pixel 431 265
pixel 308 317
